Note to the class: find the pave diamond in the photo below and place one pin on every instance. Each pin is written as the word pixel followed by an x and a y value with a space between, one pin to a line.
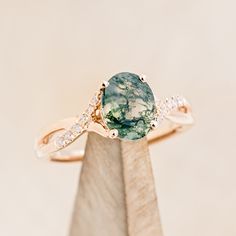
pixel 164 108
pixel 69 136
pixel 89 110
pixel 80 125
pixel 76 129
pixel 84 119
pixel 95 100
pixel 60 142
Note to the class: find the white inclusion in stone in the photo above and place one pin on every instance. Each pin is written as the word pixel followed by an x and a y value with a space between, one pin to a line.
pixel 137 109
pixel 110 106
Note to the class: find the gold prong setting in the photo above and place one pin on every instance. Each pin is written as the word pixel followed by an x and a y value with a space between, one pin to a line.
pixel 113 133
pixel 105 84
pixel 143 78
pixel 154 124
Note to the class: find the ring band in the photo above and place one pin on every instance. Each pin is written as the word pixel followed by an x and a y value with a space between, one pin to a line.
pixel 124 108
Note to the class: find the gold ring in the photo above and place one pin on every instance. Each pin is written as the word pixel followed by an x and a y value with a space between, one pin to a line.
pixel 125 108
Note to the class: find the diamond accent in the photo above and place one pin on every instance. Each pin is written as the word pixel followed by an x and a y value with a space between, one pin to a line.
pixel 59 142
pixel 76 129
pixel 80 125
pixel 95 100
pixel 165 107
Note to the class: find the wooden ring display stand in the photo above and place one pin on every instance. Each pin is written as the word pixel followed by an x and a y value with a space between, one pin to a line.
pixel 116 194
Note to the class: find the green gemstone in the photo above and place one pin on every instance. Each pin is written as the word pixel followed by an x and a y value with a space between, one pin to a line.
pixel 128 105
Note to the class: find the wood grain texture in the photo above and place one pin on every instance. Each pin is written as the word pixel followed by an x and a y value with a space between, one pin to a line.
pixel 116 194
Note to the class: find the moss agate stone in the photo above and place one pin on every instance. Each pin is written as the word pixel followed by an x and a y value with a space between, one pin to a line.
pixel 128 105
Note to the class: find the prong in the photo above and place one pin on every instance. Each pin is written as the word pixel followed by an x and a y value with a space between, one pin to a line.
pixel 113 133
pixel 105 84
pixel 143 78
pixel 154 124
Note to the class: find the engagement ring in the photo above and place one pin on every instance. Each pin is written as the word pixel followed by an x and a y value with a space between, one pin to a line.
pixel 125 108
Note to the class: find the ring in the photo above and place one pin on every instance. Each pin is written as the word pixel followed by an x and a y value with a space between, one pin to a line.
pixel 123 108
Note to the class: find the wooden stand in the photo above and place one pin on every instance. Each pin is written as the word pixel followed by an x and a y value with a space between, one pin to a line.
pixel 116 195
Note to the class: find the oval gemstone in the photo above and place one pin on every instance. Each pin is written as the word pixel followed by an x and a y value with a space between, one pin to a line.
pixel 128 105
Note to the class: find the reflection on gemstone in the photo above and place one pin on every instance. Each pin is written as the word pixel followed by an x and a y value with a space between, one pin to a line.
pixel 128 105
